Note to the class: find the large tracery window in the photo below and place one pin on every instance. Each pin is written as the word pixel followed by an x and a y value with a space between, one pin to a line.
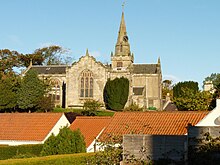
pixel 86 84
pixel 55 90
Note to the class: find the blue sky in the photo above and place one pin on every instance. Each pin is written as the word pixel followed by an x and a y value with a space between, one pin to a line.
pixel 185 34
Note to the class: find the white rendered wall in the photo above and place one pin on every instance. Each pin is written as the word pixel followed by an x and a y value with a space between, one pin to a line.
pixel 213 118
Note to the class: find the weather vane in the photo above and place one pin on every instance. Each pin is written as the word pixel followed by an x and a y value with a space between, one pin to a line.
pixel 123 6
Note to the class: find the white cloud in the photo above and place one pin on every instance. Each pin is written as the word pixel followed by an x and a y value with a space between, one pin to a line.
pixel 47 44
pixel 95 54
pixel 15 40
pixel 171 77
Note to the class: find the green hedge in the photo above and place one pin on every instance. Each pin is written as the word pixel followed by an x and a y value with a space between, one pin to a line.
pixel 8 152
pixel 72 159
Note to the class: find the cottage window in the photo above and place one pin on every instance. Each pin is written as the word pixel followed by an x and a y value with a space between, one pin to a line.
pixel 86 84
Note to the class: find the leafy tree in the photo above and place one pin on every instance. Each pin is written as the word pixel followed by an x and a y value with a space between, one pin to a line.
pixel 116 93
pixel 189 100
pixel 214 77
pixel 36 58
pixel 66 142
pixel 215 96
pixel 167 88
pixel 179 88
pixel 8 93
pixel 31 92
pixel 51 55
pixel 9 59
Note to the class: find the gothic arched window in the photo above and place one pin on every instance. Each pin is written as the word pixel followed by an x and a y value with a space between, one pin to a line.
pixel 55 90
pixel 86 84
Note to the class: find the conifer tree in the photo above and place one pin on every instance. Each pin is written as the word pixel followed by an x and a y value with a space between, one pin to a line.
pixel 32 90
pixel 116 93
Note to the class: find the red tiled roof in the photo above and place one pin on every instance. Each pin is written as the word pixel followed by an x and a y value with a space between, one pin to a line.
pixel 27 126
pixel 90 127
pixel 152 123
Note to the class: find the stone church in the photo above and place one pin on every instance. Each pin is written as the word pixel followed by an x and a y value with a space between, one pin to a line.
pixel 86 78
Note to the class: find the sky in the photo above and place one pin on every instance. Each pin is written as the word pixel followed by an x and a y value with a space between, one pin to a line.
pixel 185 34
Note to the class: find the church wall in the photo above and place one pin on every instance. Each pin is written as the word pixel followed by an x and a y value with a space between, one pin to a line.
pixel 60 77
pixel 99 73
pixel 153 91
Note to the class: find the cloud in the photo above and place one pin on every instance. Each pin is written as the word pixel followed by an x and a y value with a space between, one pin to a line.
pixel 95 54
pixel 171 77
pixel 47 44
pixel 15 40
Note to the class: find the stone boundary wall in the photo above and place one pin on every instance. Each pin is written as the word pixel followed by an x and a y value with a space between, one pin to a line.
pixel 154 147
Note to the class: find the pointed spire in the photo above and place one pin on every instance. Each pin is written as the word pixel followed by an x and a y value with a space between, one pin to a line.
pixel 87 52
pixel 158 62
pixel 122 30
pixel 122 47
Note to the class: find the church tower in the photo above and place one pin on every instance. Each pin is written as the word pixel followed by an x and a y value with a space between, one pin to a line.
pixel 122 58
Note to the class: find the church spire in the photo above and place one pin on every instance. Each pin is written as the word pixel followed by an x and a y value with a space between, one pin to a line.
pixel 122 47
pixel 122 30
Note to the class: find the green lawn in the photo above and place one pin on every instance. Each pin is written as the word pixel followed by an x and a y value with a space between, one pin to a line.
pixel 73 159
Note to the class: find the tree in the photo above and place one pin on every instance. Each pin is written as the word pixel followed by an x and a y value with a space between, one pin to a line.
pixel 51 55
pixel 214 78
pixel 167 88
pixel 116 93
pixel 215 96
pixel 9 60
pixel 66 142
pixel 8 94
pixel 31 92
pixel 191 101
pixel 179 88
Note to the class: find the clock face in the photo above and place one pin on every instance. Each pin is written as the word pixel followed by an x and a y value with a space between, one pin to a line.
pixel 125 38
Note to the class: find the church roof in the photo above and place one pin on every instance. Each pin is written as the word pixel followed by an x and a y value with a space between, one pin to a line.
pixel 50 69
pixel 145 69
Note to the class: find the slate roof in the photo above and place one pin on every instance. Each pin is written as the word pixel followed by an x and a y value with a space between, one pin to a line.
pixel 50 69
pixel 152 123
pixel 27 126
pixel 145 69
pixel 90 127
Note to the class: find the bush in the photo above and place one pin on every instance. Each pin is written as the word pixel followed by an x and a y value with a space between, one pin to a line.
pixel 7 152
pixel 133 107
pixel 66 142
pixel 90 108
pixel 116 93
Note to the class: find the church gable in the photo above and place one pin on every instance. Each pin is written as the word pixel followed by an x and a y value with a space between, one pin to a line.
pixel 86 80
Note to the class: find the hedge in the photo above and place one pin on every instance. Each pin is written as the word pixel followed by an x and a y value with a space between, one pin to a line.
pixel 8 152
pixel 78 159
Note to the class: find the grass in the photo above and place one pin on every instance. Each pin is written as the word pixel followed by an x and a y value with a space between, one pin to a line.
pixel 73 159
pixel 79 111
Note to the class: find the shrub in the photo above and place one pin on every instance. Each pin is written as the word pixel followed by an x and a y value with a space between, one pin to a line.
pixel 66 142
pixel 116 93
pixel 133 107
pixel 90 108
